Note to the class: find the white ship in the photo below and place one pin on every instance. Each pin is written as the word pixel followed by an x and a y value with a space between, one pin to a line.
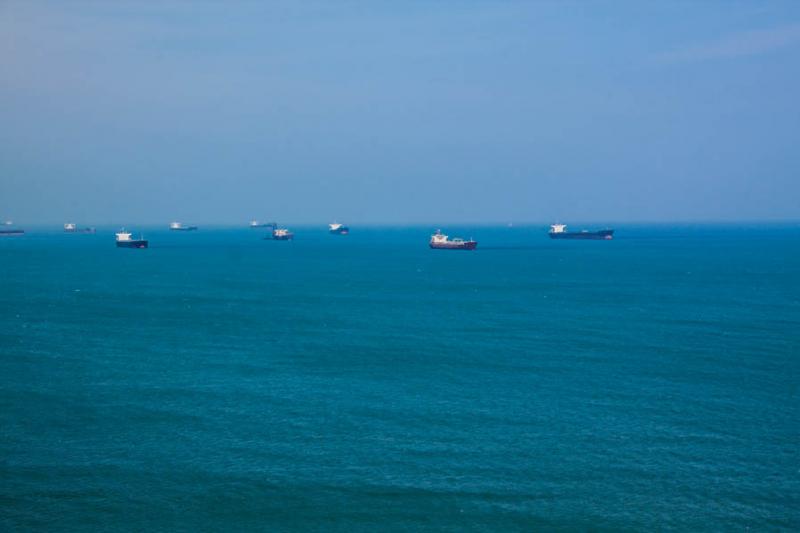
pixel 338 229
pixel 282 234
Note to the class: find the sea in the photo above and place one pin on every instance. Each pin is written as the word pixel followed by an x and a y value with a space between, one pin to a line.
pixel 218 381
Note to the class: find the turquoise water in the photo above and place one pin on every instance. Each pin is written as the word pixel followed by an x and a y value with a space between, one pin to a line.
pixel 219 382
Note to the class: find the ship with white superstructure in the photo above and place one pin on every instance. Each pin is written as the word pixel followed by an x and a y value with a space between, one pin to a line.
pixel 440 241
pixel 177 226
pixel 281 234
pixel 254 224
pixel 338 229
pixel 559 231
pixel 8 231
pixel 70 227
pixel 124 240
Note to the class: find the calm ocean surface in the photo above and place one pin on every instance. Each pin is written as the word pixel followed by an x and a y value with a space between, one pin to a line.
pixel 220 382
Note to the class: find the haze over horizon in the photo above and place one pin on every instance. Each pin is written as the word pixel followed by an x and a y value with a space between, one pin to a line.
pixel 405 113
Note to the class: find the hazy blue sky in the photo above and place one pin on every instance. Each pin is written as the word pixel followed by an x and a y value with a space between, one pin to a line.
pixel 399 112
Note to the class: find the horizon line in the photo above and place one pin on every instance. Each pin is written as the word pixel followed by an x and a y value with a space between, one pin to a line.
pixel 245 224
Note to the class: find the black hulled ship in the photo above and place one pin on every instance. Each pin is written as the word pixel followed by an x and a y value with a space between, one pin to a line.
pixel 559 231
pixel 124 240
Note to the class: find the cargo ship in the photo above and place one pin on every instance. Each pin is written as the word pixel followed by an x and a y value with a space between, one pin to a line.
pixel 281 234
pixel 559 231
pixel 338 229
pixel 441 241
pixel 256 224
pixel 177 226
pixel 124 241
pixel 72 228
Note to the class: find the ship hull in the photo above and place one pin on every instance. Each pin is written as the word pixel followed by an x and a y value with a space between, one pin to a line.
pixel 468 245
pixel 132 244
pixel 280 238
pixel 11 232
pixel 187 228
pixel 602 235
pixel 340 231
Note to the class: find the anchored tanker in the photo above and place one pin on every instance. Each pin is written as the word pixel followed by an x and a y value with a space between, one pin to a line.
pixel 559 231
pixel 124 241
pixel 177 226
pixel 256 224
pixel 69 227
pixel 10 232
pixel 442 242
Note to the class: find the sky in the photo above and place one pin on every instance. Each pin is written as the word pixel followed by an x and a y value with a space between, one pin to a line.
pixel 399 112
